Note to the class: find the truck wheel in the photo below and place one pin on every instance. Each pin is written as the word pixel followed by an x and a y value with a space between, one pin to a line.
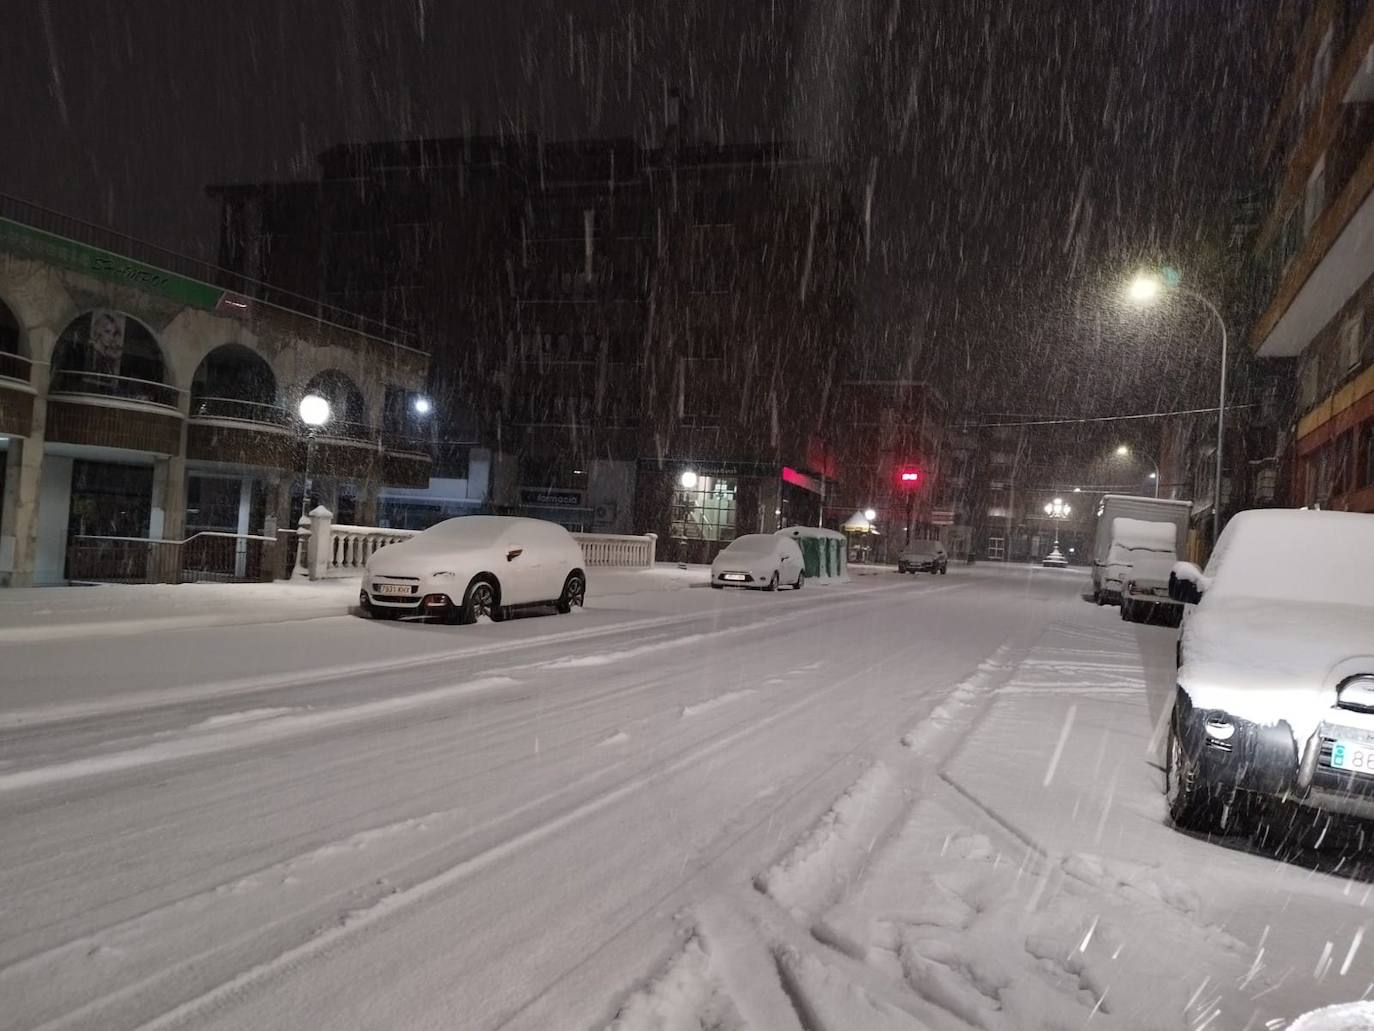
pixel 1191 799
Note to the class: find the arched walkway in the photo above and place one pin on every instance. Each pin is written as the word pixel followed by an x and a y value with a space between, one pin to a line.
pixel 233 382
pixel 110 353
pixel 348 416
pixel 12 364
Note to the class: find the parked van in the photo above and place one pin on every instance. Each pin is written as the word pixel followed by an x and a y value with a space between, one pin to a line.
pixel 1150 510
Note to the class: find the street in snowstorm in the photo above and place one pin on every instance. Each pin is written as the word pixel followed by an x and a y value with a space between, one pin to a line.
pixel 648 515
pixel 677 806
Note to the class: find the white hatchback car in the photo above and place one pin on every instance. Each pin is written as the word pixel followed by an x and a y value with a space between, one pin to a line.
pixel 473 566
pixel 762 560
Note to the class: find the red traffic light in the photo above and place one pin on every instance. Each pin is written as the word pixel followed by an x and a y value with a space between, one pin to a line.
pixel 910 477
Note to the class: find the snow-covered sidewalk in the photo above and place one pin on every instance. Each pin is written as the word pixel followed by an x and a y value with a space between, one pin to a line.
pixel 1010 867
pixel 116 610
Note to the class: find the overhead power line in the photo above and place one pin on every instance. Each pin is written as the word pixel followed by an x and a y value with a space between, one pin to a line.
pixel 1100 418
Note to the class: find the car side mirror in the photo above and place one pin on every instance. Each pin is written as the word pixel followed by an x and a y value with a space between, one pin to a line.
pixel 514 554
pixel 1187 583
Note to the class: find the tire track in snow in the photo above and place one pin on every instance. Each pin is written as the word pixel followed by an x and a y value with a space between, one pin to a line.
pixel 365 917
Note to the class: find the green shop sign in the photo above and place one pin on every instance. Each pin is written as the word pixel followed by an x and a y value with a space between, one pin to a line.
pixel 58 250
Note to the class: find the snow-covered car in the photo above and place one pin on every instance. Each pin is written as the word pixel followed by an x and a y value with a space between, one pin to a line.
pixel 763 560
pixel 1140 549
pixel 463 569
pixel 923 557
pixel 1275 692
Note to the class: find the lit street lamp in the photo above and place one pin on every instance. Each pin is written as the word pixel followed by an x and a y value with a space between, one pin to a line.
pixel 1057 511
pixel 870 515
pixel 1125 452
pixel 314 412
pixel 1143 289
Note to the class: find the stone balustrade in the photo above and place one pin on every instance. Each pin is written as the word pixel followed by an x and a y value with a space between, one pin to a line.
pixel 346 548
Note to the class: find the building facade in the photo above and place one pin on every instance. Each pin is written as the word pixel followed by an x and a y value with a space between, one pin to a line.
pixel 632 333
pixel 141 404
pixel 1316 254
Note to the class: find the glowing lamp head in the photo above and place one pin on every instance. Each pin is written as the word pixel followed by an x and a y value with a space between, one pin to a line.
pixel 1144 288
pixel 870 515
pixel 314 410
pixel 688 480
pixel 422 405
pixel 1123 450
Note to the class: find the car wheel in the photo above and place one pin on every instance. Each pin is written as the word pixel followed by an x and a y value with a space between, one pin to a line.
pixel 801 579
pixel 1097 597
pixel 944 569
pixel 773 583
pixel 1191 799
pixel 574 593
pixel 480 600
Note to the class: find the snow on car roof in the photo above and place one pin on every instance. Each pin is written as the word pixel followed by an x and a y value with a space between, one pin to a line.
pixel 1143 533
pixel 923 547
pixel 753 542
pixel 480 529
pixel 810 531
pixel 1296 556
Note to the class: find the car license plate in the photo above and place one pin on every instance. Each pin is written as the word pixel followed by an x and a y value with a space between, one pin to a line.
pixel 1353 757
pixel 732 576
pixel 391 588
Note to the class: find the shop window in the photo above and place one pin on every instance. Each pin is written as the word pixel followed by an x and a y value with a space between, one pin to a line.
pixel 997 549
pixel 1351 341
pixel 1314 200
pixel 1368 468
pixel 705 511
pixel 110 500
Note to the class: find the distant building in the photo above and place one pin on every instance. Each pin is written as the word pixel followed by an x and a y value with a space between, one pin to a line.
pixel 640 338
pixel 1315 252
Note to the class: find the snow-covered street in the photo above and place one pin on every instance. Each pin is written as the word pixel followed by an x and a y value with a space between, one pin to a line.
pixel 902 802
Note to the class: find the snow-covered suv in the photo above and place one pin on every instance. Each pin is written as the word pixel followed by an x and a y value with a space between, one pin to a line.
pixel 1276 670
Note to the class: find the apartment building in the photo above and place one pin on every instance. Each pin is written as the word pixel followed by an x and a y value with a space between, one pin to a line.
pixel 1315 251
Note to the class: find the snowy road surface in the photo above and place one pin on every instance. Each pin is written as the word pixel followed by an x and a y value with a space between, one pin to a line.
pixel 901 803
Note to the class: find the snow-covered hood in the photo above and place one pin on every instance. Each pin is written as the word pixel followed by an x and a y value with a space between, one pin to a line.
pixel 1266 660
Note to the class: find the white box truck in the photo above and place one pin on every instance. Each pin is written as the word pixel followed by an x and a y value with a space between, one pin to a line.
pixel 1150 510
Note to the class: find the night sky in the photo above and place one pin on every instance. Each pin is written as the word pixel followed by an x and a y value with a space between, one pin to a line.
pixel 1022 156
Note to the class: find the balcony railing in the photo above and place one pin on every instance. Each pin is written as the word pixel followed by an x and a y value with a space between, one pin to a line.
pixel 237 410
pixel 15 366
pixel 102 384
pixel 338 429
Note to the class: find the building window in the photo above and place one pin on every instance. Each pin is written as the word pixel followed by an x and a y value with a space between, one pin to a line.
pixel 1351 342
pixel 997 549
pixel 1314 200
pixel 705 511
pixel 1368 467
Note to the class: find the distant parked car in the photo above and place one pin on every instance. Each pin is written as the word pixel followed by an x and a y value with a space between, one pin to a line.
pixel 923 557
pixel 762 560
pixel 1275 692
pixel 463 569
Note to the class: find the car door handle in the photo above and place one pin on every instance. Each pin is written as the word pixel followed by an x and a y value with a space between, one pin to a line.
pixel 514 554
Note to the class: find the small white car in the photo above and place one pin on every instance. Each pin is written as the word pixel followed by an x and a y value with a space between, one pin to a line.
pixel 761 560
pixel 463 569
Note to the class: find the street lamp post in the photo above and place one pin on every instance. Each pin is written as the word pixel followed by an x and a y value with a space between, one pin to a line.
pixel 1058 512
pixel 314 412
pixel 1125 452
pixel 1143 289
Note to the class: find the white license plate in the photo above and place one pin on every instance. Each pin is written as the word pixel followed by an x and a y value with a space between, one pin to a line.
pixel 391 589
pixel 740 577
pixel 1353 757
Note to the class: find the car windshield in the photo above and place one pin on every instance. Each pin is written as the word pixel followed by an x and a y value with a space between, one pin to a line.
pixel 624 515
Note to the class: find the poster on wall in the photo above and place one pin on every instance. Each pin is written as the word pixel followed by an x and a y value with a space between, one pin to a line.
pixel 107 341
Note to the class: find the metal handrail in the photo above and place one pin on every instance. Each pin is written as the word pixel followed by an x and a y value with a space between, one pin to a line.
pixel 15 366
pixel 106 385
pixel 209 407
